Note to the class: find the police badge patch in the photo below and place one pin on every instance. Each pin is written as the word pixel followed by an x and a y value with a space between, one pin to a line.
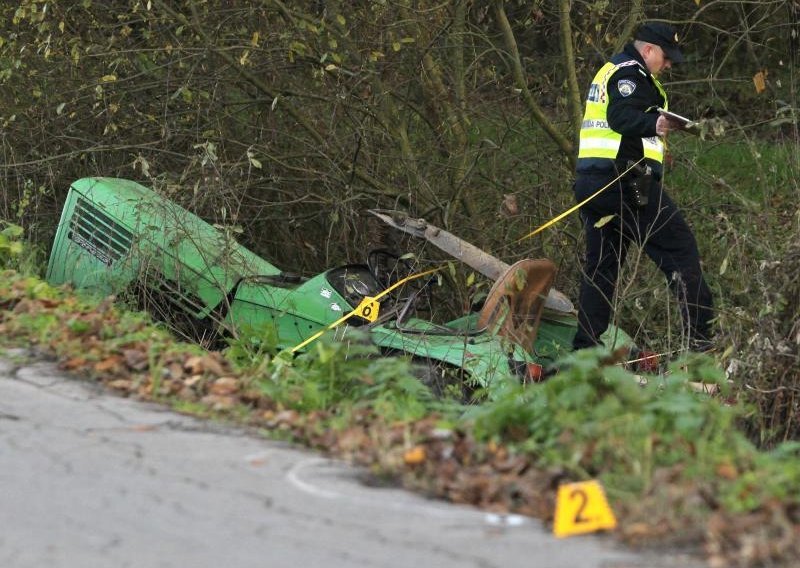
pixel 626 87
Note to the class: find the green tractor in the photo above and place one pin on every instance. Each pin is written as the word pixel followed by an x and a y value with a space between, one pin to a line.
pixel 119 237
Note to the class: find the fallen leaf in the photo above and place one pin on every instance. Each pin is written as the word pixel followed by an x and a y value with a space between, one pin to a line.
pixel 175 371
pixel 74 363
pixel 23 306
pixel 219 402
pixel 759 81
pixel 224 386
pixel 203 363
pixel 509 207
pixel 414 456
pixel 121 384
pixel 111 363
pixel 136 359
pixel 727 471
pixel 638 530
pixel 603 221
pixel 187 393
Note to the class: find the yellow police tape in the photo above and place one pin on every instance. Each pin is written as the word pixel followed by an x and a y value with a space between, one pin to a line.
pixel 571 210
pixel 368 301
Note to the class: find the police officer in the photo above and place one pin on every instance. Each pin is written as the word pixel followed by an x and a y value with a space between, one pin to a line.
pixel 622 131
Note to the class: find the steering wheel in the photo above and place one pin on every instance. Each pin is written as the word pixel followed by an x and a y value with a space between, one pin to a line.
pixel 388 267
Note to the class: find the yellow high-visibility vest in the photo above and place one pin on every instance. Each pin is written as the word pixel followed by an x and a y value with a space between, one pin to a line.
pixel 597 139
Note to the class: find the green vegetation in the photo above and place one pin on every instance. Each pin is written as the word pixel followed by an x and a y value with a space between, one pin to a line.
pixel 338 377
pixel 10 246
pixel 674 462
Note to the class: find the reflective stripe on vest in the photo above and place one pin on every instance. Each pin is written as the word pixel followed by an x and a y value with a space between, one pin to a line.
pixel 597 140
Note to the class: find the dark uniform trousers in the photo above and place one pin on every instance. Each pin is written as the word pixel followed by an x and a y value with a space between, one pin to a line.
pixel 665 237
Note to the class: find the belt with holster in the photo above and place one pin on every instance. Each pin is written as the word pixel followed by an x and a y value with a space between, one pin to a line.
pixel 637 183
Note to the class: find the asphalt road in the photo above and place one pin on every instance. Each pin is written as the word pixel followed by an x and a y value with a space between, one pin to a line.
pixel 89 479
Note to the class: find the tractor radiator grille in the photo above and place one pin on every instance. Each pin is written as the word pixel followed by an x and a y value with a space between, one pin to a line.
pixel 98 234
pixel 163 291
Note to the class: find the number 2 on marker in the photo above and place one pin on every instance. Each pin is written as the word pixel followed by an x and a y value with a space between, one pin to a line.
pixel 584 499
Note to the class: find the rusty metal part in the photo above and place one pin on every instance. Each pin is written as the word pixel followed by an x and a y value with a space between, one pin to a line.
pixel 477 259
pixel 514 305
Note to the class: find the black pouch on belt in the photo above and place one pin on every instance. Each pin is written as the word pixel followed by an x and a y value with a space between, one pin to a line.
pixel 636 184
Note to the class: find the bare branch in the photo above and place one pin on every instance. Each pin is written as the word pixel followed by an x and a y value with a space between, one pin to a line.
pixel 561 141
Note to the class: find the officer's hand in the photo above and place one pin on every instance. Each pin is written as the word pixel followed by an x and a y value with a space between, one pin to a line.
pixel 665 125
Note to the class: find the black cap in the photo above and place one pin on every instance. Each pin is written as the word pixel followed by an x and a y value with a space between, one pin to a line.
pixel 664 36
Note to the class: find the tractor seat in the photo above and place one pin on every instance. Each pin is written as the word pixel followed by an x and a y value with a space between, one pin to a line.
pixel 513 307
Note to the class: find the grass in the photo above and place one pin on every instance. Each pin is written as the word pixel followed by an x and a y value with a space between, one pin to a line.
pixel 748 182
